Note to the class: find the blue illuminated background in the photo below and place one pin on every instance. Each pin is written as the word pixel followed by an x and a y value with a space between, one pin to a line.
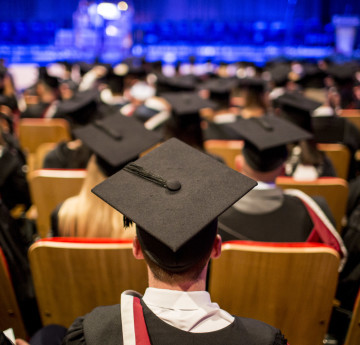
pixel 254 30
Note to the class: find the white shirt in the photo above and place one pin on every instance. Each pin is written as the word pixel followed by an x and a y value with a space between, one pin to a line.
pixel 189 311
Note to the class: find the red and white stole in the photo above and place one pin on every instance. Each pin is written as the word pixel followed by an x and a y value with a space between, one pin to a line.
pixel 132 318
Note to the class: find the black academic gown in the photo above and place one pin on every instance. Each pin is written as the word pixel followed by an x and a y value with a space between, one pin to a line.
pixel 14 188
pixel 61 157
pixel 335 129
pixel 15 246
pixel 103 326
pixel 289 223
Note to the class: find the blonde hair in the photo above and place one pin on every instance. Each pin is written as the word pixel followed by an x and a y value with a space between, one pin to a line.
pixel 86 215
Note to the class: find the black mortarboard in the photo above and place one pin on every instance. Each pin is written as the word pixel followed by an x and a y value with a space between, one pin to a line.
pixel 297 108
pixel 176 83
pixel 220 89
pixel 81 109
pixel 185 123
pixel 116 140
pixel 266 139
pixel 115 82
pixel 50 81
pixel 172 194
pixel 187 103
pixel 219 86
pixel 298 101
pixel 280 73
pixel 342 73
pixel 255 84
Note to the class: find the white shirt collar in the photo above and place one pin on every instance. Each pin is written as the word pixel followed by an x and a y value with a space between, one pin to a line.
pixel 174 299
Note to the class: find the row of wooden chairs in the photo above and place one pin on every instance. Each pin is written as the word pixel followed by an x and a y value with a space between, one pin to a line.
pixel 50 187
pixel 35 132
pixel 250 279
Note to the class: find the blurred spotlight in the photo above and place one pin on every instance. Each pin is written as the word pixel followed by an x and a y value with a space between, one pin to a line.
pixel 108 11
pixel 122 6
pixel 111 30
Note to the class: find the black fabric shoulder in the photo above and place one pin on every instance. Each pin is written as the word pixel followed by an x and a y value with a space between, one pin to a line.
pixel 75 333
pixel 103 326
pixel 100 326
pixel 258 332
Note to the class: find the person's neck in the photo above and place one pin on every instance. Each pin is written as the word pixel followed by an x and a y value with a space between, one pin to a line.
pixel 194 285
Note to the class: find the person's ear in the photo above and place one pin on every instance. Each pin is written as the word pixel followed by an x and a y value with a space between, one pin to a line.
pixel 216 250
pixel 239 162
pixel 137 251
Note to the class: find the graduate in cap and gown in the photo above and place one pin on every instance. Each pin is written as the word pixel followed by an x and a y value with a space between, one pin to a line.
pixel 185 122
pixel 174 194
pixel 79 111
pixel 305 160
pixel 114 142
pixel 268 213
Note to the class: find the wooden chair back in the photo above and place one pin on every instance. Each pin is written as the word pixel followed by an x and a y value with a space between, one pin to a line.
pixel 226 149
pixel 50 187
pixel 10 316
pixel 334 189
pixel 289 286
pixel 35 160
pixel 73 277
pixel 33 132
pixel 353 333
pixel 353 115
pixel 339 155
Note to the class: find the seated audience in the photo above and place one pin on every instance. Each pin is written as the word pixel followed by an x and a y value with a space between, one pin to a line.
pixel 41 98
pixel 306 161
pixel 255 97
pixel 269 213
pixel 185 121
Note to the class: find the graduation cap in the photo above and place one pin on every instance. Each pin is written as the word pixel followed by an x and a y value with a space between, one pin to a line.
pixel 176 83
pixel 115 80
pixel 253 84
pixel 49 80
pixel 342 73
pixel 116 140
pixel 298 101
pixel 297 108
pixel 265 140
pixel 220 89
pixel 173 193
pixel 280 73
pixel 185 122
pixel 80 109
pixel 187 103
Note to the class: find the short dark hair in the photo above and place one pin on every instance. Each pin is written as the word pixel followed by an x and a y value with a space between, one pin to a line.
pixel 197 250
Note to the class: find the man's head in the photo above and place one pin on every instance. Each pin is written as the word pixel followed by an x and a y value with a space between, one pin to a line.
pixel 205 245
pixel 265 150
pixel 174 194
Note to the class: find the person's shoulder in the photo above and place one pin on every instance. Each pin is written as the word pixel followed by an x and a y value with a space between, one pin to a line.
pixel 259 332
pixel 101 326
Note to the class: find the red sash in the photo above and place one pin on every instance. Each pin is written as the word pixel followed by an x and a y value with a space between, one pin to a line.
pixel 133 323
